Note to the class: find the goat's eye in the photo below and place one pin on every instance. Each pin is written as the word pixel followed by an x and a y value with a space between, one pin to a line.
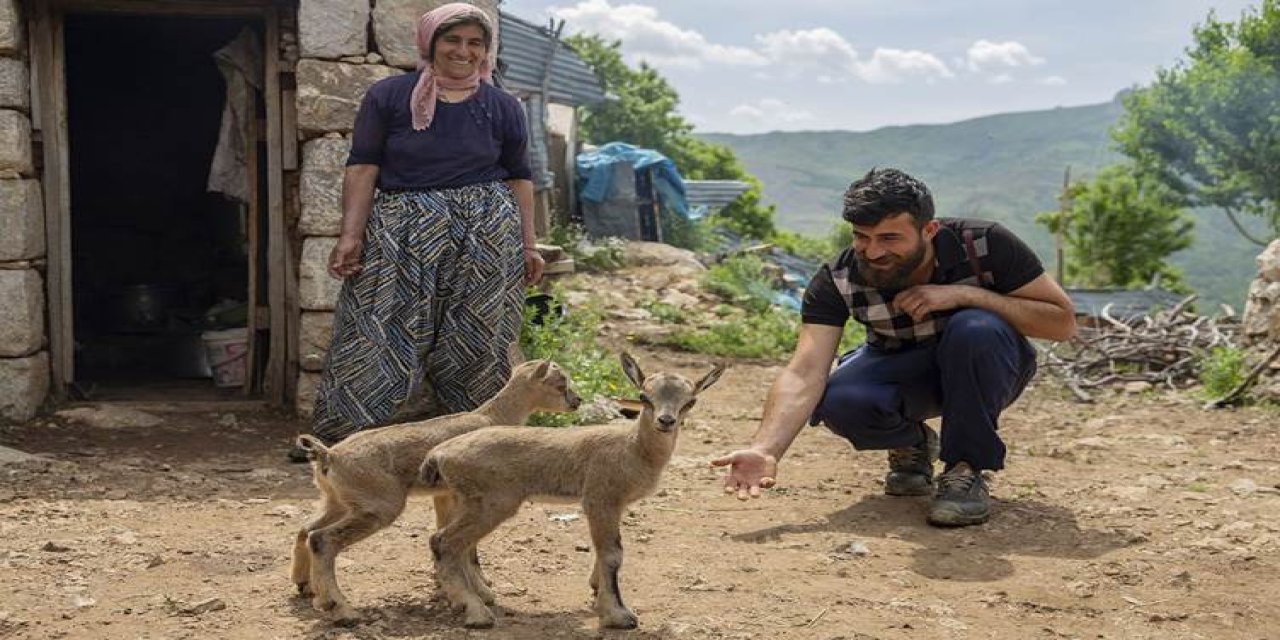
pixel 644 397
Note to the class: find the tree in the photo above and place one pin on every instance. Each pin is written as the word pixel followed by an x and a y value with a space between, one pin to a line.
pixel 642 111
pixel 1119 229
pixel 1208 128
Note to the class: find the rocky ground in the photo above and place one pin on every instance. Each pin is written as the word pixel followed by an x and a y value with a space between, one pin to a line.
pixel 1140 516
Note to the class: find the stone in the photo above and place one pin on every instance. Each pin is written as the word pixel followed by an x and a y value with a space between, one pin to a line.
pixel 313 343
pixel 15 141
pixel 1137 386
pixel 13 456
pixel 22 314
pixel 110 416
pixel 333 28
pixel 305 398
pixel 329 93
pixel 395 27
pixel 656 254
pixel 24 383
pixel 1269 262
pixel 317 290
pixel 323 163
pixel 15 87
pixel 13 40
pixel 21 220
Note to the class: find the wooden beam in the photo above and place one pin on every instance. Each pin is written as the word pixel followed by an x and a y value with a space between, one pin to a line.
pixel 278 271
pixel 247 8
pixel 48 70
pixel 253 239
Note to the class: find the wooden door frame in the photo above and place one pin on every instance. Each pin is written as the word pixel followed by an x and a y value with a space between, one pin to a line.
pixel 46 20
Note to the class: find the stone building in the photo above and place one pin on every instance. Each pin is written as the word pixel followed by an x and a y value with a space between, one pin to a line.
pixel 168 164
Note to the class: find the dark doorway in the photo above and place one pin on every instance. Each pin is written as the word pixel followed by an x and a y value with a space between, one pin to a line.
pixel 158 261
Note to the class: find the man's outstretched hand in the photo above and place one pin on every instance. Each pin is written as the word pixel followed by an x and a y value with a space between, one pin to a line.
pixel 749 471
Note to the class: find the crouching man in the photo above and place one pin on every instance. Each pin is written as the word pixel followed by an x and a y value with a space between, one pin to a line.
pixel 948 305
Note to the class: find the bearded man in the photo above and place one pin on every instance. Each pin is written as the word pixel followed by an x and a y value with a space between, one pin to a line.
pixel 948 305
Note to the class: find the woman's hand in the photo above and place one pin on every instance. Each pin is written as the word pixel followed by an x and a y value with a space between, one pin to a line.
pixel 533 265
pixel 344 260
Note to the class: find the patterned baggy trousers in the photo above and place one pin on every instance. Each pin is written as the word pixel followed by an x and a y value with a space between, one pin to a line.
pixel 434 310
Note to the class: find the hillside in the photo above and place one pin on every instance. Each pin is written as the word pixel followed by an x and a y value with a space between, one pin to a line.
pixel 1006 167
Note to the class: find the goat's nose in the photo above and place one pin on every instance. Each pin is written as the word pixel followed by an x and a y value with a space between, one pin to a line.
pixel 666 421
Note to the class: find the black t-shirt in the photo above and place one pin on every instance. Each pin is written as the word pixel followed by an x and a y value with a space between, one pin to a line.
pixel 837 293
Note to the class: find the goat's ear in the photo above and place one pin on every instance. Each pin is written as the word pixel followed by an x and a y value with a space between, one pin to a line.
pixel 543 367
pixel 632 370
pixel 709 379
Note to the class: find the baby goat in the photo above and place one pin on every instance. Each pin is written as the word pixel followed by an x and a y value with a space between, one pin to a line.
pixel 492 471
pixel 366 478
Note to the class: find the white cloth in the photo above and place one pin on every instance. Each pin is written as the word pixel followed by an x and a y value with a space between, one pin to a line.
pixel 240 62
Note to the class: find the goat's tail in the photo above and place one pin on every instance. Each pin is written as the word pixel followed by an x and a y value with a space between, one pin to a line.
pixel 429 472
pixel 315 448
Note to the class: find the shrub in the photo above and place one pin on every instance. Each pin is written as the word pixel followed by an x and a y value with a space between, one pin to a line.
pixel 570 340
pixel 589 255
pixel 740 280
pixel 1221 370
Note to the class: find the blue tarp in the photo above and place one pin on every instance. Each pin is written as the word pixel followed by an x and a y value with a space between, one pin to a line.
pixel 596 175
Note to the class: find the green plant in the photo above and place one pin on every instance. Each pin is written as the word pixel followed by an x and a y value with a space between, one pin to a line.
pixel 1221 370
pixel 570 340
pixel 590 255
pixel 768 334
pixel 740 280
pixel 665 313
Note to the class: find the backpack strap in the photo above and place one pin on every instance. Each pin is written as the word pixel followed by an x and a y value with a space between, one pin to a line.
pixel 974 263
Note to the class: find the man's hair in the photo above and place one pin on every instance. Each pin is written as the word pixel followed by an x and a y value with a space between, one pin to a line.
pixel 886 192
pixel 459 20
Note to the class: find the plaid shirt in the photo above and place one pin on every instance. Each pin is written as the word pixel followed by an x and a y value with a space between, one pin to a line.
pixel 890 328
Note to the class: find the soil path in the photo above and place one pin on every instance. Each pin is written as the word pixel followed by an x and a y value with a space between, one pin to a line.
pixel 1138 517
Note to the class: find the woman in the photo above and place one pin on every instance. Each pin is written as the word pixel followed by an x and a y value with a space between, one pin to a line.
pixel 437 236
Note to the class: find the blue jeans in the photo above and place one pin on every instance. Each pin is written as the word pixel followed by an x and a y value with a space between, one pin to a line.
pixel 876 398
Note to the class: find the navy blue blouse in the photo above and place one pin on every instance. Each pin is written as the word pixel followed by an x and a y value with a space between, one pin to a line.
pixel 481 139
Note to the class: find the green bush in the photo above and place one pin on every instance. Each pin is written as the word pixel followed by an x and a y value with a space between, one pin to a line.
pixel 570 341
pixel 1221 370
pixel 590 255
pixel 740 280
pixel 770 334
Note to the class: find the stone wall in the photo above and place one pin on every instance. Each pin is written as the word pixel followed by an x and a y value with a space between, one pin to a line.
pixel 339 61
pixel 24 363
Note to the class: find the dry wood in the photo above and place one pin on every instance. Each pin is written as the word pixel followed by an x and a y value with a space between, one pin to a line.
pixel 1160 348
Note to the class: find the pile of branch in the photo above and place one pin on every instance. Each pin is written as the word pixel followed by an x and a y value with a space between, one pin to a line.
pixel 1160 349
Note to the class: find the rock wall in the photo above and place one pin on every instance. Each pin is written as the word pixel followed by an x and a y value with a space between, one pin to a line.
pixel 24 364
pixel 345 46
pixel 1261 321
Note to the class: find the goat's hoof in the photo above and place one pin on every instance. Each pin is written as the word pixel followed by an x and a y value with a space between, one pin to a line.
pixel 620 620
pixel 323 605
pixel 345 617
pixel 304 590
pixel 479 620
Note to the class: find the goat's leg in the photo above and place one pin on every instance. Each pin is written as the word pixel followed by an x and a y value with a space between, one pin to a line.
pixel 325 544
pixel 330 512
pixel 472 520
pixel 445 504
pixel 603 518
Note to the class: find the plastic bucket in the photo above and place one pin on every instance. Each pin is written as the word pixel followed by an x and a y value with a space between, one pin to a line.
pixel 228 352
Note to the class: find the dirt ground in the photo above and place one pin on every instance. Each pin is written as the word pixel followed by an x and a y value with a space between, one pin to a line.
pixel 1138 517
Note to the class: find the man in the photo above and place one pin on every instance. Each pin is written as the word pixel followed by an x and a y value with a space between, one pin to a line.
pixel 948 306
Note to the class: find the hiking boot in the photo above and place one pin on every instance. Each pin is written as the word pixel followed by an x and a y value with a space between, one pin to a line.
pixel 911 469
pixel 962 498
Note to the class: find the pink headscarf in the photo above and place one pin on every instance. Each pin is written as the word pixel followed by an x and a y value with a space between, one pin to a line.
pixel 422 102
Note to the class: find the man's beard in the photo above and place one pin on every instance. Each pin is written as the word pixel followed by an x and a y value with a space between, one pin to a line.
pixel 896 277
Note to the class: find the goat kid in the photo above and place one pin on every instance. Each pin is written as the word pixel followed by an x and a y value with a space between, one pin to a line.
pixel 366 479
pixel 493 471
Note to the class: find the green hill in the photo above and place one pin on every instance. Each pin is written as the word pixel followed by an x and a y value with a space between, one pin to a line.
pixel 1006 167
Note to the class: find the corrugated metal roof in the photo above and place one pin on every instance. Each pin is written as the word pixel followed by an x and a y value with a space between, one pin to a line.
pixel 713 193
pixel 524 46
pixel 1124 303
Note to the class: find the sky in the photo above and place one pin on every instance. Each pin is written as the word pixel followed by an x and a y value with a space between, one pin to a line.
pixel 750 66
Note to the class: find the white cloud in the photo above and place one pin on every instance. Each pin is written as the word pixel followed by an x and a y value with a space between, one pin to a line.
pixel 985 54
pixel 826 50
pixel 1052 81
pixel 770 110
pixel 1000 78
pixel 647 37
